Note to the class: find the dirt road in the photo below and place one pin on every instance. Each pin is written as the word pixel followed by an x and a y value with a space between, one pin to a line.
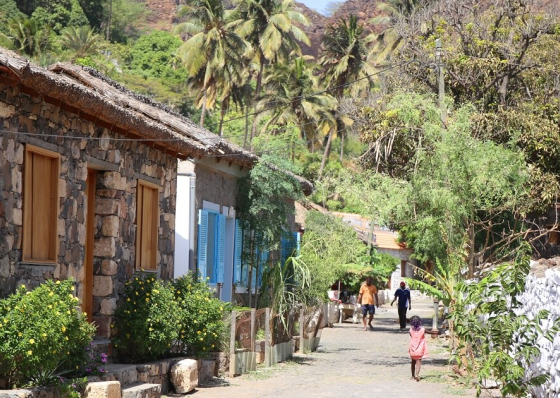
pixel 351 362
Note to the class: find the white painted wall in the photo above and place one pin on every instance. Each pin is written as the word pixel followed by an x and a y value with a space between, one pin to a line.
pixel 184 225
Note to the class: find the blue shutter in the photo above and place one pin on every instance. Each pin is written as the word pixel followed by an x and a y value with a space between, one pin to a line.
pixel 202 257
pixel 237 253
pixel 221 240
pixel 263 262
pixel 284 250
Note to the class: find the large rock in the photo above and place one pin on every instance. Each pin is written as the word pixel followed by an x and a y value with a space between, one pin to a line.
pixel 184 375
pixel 207 370
pixel 144 390
pixel 103 389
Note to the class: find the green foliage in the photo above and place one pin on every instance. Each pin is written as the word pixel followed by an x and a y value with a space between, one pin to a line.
pixel 82 41
pixel 72 388
pixel 43 334
pixel 8 10
pixel 264 200
pixel 127 18
pixel 329 247
pixel 145 329
pixel 500 341
pixel 152 55
pixel 201 316
pixel 59 14
pixel 379 266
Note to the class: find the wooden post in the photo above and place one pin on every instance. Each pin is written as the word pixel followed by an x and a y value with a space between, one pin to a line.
pixel 267 359
pixel 301 326
pixel 232 345
pixel 253 326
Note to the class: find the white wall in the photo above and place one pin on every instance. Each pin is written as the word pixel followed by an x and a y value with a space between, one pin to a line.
pixel 544 294
pixel 184 225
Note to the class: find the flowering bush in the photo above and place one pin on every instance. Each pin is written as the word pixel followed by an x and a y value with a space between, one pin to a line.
pixel 146 321
pixel 43 334
pixel 201 316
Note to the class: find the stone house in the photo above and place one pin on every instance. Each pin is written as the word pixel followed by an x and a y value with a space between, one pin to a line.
pixel 208 235
pixel 88 185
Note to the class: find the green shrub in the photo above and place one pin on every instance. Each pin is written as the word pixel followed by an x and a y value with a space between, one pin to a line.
pixel 147 321
pixel 201 316
pixel 42 334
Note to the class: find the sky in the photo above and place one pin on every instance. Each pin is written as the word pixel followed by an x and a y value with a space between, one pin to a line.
pixel 318 5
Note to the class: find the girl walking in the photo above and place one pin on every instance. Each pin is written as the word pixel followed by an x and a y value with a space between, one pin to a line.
pixel 418 348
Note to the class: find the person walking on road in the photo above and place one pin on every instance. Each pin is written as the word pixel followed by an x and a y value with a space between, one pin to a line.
pixel 366 298
pixel 403 295
pixel 418 349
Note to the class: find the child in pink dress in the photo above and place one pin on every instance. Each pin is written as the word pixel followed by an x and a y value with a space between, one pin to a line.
pixel 418 348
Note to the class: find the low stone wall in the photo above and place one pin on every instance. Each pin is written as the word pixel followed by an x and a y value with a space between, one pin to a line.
pixel 543 293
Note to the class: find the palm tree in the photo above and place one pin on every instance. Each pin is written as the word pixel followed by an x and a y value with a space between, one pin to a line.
pixel 293 89
pixel 27 36
pixel 345 67
pixel 213 53
pixel 389 39
pixel 270 26
pixel 82 41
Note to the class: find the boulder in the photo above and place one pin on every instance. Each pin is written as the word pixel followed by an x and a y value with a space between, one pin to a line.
pixel 103 389
pixel 184 376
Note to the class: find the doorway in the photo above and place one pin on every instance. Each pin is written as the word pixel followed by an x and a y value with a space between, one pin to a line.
pixel 87 300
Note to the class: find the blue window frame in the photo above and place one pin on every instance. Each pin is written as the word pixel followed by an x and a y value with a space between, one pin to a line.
pixel 211 245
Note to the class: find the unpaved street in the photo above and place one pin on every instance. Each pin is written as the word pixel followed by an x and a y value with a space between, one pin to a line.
pixel 351 362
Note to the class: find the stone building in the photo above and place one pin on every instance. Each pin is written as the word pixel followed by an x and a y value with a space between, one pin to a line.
pixel 88 181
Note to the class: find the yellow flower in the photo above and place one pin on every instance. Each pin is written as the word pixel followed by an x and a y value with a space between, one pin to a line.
pixel 31 341
pixel 150 329
pixel 58 282
pixel 128 299
pixel 23 286
pixel 112 326
pixel 67 352
pixel 147 299
pixel 63 329
pixel 5 320
pixel 20 334
pixel 71 296
pixel 44 335
pixel 29 352
pixel 198 332
pixel 51 293
pixel 137 293
pixel 68 312
pixel 66 337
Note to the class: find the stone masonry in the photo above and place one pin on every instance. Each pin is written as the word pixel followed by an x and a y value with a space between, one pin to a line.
pixel 119 163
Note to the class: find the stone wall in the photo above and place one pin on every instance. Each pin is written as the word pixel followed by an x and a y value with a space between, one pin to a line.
pixel 120 164
pixel 214 186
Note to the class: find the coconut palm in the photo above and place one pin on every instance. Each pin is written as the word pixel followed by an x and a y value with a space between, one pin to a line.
pixel 82 41
pixel 27 36
pixel 213 52
pixel 345 67
pixel 291 98
pixel 388 40
pixel 270 26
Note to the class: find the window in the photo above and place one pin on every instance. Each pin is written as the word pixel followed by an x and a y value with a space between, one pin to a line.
pixel 147 217
pixel 211 245
pixel 40 205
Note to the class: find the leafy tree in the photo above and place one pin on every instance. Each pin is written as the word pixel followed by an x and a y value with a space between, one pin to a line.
pixel 82 41
pixel 59 14
pixel 213 54
pixel 270 26
pixel 27 36
pixel 124 20
pixel 93 10
pixel 455 194
pixel 344 61
pixel 293 88
pixel 265 207
pixel 152 55
pixel 8 10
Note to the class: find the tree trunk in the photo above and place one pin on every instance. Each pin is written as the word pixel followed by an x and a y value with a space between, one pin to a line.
pixel 257 93
pixel 246 126
pixel 326 154
pixel 223 112
pixel 109 20
pixel 341 146
pixel 471 251
pixel 203 115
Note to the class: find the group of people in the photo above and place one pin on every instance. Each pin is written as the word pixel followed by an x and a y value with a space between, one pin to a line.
pixel 369 299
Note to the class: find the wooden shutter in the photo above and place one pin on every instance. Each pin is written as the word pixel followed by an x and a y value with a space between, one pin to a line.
pixel 202 255
pixel 147 223
pixel 40 207
pixel 221 242
pixel 237 253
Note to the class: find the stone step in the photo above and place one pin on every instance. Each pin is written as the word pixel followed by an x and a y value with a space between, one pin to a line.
pixel 103 346
pixel 126 374
pixel 142 390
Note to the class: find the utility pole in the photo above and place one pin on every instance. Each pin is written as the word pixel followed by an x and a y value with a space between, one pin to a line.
pixel 441 83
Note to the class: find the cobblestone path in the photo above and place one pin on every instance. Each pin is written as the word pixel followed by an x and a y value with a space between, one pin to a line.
pixel 351 362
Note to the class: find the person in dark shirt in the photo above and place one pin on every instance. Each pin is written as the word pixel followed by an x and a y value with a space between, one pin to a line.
pixel 403 295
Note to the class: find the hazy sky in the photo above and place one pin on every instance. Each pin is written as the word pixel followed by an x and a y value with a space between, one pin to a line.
pixel 318 5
